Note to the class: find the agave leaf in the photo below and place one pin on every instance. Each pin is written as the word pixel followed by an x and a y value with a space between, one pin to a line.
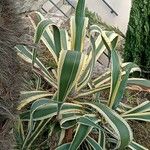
pixel 39 31
pixel 73 32
pixel 91 120
pixel 106 41
pixel 38 84
pixel 135 146
pixel 141 112
pixel 62 136
pixel 86 123
pixel 114 41
pixel 102 79
pixel 70 119
pixel 143 107
pixel 30 96
pixel 106 77
pixel 93 143
pixel 80 10
pixel 139 82
pixel 115 78
pixel 122 86
pixel 78 33
pixel 69 67
pixel 81 23
pixel 103 40
pixel 69 123
pixel 57 40
pixel 47 36
pixel 123 108
pixel 120 126
pixel 82 132
pixel 87 73
pixel 93 91
pixel 37 131
pixel 119 80
pixel 39 102
pixel 19 133
pixel 31 125
pixel 63 147
pixel 78 26
pixel 35 18
pixel 39 68
pixel 50 110
pixel 41 27
pixel 145 116
pixel 102 139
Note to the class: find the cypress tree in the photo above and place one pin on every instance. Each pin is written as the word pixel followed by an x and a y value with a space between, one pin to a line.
pixel 137 46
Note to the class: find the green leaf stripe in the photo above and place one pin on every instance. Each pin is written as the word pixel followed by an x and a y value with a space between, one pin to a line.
pixel 64 39
pixel 57 40
pixel 122 86
pixel 80 21
pixel 115 77
pixel 68 71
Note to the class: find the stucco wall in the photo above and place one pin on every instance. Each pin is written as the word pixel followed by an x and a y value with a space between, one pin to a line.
pixel 122 7
pixel 26 5
pixel 12 9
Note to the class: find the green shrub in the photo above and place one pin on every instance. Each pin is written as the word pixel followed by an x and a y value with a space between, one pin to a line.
pixel 92 123
pixel 137 46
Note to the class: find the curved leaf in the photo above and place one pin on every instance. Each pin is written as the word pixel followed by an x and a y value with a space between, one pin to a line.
pixel 120 126
pixel 47 36
pixel 28 97
pixel 93 143
pixel 50 110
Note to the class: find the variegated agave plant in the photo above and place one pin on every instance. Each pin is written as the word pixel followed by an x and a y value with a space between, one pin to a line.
pixel 106 120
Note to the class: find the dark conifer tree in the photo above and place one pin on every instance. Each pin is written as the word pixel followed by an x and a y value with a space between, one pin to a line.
pixel 137 46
